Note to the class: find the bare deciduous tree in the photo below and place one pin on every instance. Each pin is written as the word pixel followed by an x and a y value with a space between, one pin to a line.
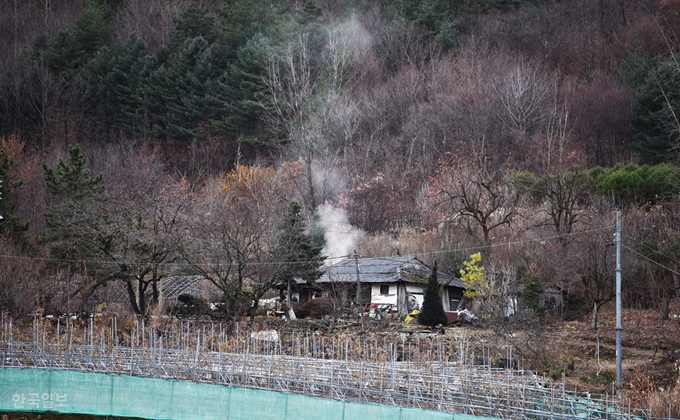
pixel 473 194
pixel 233 232
pixel 317 121
pixel 151 21
pixel 147 213
pixel 523 91
pixel 22 286
pixel 590 260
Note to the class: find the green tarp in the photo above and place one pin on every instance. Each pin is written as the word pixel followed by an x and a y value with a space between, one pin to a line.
pixel 64 391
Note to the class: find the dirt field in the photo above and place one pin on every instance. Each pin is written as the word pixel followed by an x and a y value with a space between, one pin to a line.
pixel 585 359
pixel 651 348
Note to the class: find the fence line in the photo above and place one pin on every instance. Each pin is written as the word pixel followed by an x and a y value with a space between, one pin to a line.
pixel 426 371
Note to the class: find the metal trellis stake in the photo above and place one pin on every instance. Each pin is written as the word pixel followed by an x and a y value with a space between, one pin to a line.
pixel 619 328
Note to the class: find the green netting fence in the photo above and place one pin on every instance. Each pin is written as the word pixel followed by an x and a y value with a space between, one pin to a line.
pixel 65 391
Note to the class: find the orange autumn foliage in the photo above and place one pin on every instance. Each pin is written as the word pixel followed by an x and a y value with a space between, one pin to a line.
pixel 12 146
pixel 248 180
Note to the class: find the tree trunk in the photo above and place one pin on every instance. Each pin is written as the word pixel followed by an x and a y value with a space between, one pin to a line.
pixel 596 308
pixel 133 299
pixel 140 297
pixel 665 305
pixel 289 292
pixel 155 295
pixel 69 263
pixel 310 182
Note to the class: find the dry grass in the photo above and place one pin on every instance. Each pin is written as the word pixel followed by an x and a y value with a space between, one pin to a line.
pixel 572 352
pixel 651 358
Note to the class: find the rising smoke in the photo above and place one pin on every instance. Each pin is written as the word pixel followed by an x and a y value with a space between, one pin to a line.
pixel 341 237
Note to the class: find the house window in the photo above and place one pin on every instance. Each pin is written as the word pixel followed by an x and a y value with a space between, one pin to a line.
pixel 384 289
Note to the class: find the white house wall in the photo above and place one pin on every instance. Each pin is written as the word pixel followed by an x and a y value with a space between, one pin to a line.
pixel 414 288
pixel 388 299
pixel 396 297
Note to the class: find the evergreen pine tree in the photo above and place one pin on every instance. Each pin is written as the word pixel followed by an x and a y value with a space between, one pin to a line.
pixel 65 53
pixel 117 75
pixel 76 44
pixel 185 91
pixel 192 23
pixel 298 254
pixel 74 214
pixel 654 109
pixel 434 16
pixel 310 12
pixel 72 181
pixel 244 92
pixel 93 26
pixel 531 293
pixel 432 313
pixel 239 23
pixel 310 24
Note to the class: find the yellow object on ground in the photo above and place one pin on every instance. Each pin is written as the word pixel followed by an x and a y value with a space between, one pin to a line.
pixel 412 315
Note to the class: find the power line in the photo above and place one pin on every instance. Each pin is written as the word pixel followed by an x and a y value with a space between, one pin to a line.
pixel 668 257
pixel 650 260
pixel 270 263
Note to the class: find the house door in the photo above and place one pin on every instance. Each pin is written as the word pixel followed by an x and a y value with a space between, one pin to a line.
pixel 454 304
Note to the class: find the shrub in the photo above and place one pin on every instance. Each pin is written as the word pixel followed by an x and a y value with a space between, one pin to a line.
pixel 188 304
pixel 316 308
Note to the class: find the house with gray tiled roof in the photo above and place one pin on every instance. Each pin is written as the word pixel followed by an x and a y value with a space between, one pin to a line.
pixel 386 281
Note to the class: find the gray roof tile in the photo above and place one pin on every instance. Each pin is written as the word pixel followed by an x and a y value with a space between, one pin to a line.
pixel 384 270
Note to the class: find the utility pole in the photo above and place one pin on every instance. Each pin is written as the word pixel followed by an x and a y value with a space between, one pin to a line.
pixel 619 328
pixel 358 297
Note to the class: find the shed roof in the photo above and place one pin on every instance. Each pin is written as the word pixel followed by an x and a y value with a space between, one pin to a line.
pixel 384 270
